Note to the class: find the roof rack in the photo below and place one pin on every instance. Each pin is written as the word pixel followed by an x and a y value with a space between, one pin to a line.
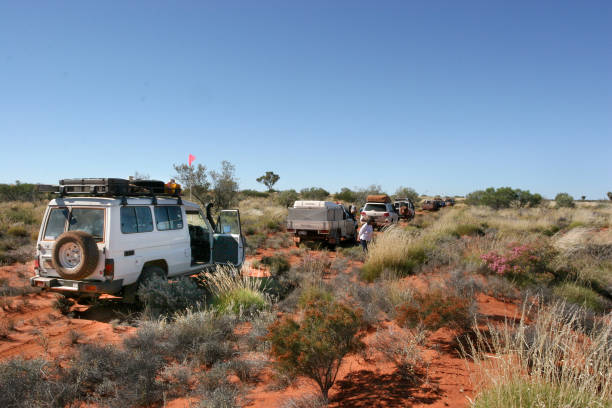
pixel 112 187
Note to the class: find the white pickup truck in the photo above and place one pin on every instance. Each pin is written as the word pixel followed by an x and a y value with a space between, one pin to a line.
pixel 321 221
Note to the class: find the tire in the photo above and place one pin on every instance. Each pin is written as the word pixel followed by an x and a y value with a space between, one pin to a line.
pixel 149 273
pixel 75 255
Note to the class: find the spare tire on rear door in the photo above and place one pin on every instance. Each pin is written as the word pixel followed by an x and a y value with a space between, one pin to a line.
pixel 75 255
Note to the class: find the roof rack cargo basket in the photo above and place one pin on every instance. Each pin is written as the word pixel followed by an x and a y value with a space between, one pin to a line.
pixel 95 186
pixel 152 186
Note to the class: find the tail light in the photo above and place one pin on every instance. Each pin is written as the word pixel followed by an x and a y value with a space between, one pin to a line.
pixel 290 230
pixel 323 231
pixel 385 214
pixel 36 265
pixel 363 213
pixel 109 269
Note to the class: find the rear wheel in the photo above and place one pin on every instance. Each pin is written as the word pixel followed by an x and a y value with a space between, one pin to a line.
pixel 130 292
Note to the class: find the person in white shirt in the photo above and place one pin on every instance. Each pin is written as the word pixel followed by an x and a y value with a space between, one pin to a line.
pixel 365 234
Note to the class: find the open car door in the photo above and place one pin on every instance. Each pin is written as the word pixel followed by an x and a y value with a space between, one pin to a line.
pixel 228 243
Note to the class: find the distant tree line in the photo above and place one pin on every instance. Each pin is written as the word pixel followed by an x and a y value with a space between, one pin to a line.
pixel 20 192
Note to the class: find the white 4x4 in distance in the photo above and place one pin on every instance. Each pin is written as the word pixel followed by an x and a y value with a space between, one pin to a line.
pixel 383 214
pixel 109 235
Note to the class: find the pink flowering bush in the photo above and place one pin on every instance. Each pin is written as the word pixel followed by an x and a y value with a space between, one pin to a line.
pixel 519 259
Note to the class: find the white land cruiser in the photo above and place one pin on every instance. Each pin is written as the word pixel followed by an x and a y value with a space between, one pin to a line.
pixel 110 242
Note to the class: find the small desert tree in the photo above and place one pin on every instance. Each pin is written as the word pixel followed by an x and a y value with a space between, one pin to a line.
pixel 346 194
pixel 225 185
pixel 610 195
pixel 564 200
pixel 407 192
pixel 287 197
pixel 193 177
pixel 315 346
pixel 269 179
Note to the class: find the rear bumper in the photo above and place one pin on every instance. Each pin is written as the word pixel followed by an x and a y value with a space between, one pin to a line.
pixel 74 286
pixel 314 237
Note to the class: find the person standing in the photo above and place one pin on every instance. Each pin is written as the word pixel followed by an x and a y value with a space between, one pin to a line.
pixel 365 234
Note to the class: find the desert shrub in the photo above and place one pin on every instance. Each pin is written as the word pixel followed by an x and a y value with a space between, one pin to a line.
pixel 254 193
pixel 255 339
pixel 18 231
pixel 315 345
pixel 305 401
pixel 582 296
pixel 31 383
pixel 63 304
pixel 246 370
pixel 278 264
pixel 407 192
pixel 503 197
pixel 354 253
pixel 524 393
pixel 468 230
pixel 201 335
pixel 106 373
pixel 437 308
pixel 287 198
pixel 255 242
pixel 314 193
pixel 546 358
pixel 161 296
pixel 395 250
pixel 402 349
pixel 234 292
pixel 346 195
pixel 314 293
pixel 564 200
pixel 216 390
pixel 520 262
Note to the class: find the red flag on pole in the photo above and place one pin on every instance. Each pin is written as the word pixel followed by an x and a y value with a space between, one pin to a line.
pixel 191 159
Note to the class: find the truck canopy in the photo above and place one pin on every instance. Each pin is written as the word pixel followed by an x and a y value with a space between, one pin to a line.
pixel 316 213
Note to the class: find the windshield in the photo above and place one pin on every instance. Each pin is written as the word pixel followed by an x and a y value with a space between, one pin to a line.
pixel 90 220
pixel 375 207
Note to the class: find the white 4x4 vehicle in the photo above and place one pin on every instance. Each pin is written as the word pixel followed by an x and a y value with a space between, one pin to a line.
pixel 109 244
pixel 383 214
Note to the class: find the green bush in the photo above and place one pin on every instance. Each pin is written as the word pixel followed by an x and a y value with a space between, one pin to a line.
pixel 346 194
pixel 564 200
pixel 503 197
pixel 286 198
pixel 278 264
pixel 315 346
pixel 239 300
pixel 581 296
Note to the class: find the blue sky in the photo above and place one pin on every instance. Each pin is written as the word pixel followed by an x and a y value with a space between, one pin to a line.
pixel 443 96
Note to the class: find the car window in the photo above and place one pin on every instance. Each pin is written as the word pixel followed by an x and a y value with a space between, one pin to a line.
pixel 136 219
pixel 195 218
pixel 375 207
pixel 228 223
pixel 56 223
pixel 168 217
pixel 90 220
